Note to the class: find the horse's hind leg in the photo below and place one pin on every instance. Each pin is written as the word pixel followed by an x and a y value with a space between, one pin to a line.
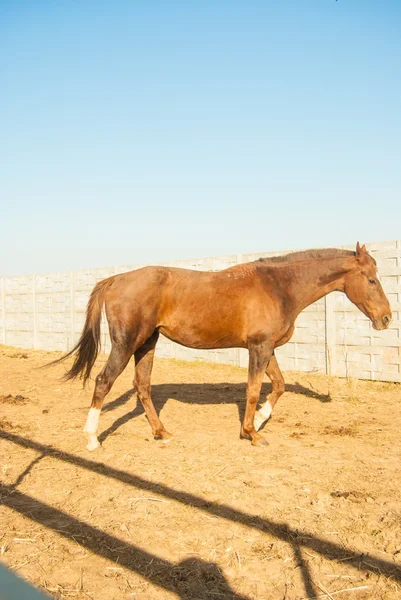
pixel 115 365
pixel 143 369
pixel 278 387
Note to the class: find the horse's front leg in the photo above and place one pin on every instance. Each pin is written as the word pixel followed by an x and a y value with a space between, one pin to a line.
pixel 259 356
pixel 278 387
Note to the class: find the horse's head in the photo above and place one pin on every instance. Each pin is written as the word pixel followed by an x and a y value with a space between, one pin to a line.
pixel 362 286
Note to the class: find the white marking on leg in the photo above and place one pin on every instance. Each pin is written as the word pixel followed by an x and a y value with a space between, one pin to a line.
pixel 93 442
pixel 91 425
pixel 92 422
pixel 262 415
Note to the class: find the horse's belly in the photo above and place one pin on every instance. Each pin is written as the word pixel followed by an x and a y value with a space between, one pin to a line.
pixel 201 337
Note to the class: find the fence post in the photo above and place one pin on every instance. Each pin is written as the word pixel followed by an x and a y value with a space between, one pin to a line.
pixel 399 302
pixel 239 259
pixel 72 308
pixel 330 317
pixel 3 309
pixel 35 324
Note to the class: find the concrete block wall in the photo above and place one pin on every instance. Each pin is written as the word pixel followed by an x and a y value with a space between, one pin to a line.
pixel 48 312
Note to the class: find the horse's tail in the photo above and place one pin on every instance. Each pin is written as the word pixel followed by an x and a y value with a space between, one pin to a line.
pixel 87 348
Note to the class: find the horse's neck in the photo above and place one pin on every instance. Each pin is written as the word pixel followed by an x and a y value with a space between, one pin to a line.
pixel 311 280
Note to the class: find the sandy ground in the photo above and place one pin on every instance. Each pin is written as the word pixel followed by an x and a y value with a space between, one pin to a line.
pixel 315 514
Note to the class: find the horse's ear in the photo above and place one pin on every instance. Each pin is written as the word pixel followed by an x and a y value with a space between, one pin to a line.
pixel 360 251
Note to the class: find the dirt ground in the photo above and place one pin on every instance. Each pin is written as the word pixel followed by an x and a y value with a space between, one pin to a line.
pixel 315 514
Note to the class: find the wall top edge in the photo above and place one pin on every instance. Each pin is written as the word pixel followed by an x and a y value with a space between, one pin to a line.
pixel 172 263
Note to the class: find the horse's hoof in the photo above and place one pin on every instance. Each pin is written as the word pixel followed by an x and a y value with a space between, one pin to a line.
pixel 259 441
pixel 165 437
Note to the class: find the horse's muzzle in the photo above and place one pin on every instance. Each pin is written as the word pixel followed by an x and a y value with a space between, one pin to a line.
pixel 382 323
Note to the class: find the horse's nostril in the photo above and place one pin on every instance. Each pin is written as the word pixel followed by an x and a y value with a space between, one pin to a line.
pixel 386 320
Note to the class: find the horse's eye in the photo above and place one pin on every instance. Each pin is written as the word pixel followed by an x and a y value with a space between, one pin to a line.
pixel 372 281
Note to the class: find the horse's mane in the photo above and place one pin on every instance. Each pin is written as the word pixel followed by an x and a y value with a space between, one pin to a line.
pixel 304 255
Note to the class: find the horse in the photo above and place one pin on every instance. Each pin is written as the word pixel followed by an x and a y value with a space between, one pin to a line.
pixel 252 305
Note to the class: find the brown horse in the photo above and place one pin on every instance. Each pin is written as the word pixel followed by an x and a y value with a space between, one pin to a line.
pixel 253 306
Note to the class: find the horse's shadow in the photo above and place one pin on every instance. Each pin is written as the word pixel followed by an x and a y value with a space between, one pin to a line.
pixel 197 393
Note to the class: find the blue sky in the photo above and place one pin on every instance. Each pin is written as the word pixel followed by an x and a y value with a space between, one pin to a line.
pixel 136 132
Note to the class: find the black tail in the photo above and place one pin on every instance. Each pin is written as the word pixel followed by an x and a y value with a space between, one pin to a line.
pixel 87 348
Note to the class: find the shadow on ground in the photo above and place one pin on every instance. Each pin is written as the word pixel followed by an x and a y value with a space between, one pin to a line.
pixel 191 578
pixel 200 394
